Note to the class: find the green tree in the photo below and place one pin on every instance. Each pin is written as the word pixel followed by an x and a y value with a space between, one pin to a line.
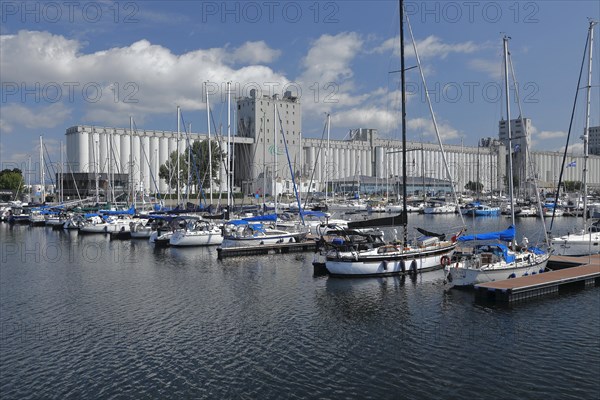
pixel 474 186
pixel 199 166
pixel 11 179
pixel 573 186
pixel 199 172
pixel 168 171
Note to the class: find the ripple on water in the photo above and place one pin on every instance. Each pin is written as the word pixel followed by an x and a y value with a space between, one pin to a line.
pixel 134 321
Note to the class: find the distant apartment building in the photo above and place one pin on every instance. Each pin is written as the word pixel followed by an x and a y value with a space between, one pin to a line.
pixel 521 141
pixel 594 140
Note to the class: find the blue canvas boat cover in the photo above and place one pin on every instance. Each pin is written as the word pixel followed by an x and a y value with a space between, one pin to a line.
pixel 506 235
pixel 265 217
pixel 536 250
pixel 318 214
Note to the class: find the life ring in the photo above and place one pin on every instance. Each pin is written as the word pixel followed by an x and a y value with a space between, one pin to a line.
pixel 445 261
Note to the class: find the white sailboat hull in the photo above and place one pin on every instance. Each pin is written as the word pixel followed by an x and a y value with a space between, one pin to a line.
pixel 260 240
pixel 577 245
pixel 93 228
pixel 447 209
pixel 373 264
pixel 190 238
pixel 118 227
pixel 459 275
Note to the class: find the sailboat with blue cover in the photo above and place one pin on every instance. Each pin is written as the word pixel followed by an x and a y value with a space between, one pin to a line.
pixel 502 259
pixel 490 262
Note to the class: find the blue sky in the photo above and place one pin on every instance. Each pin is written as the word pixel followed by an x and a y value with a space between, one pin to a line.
pixel 144 58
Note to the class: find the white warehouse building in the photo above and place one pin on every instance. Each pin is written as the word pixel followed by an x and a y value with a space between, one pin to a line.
pixel 260 154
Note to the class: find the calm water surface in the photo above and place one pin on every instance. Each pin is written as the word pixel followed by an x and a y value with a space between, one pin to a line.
pixel 86 317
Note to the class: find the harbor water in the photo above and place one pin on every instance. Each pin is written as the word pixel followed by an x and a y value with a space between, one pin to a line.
pixel 85 317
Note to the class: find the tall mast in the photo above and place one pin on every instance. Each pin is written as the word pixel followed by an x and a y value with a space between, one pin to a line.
pixel 131 161
pixel 231 181
pixel 42 174
pixel 60 182
pixel 109 187
pixel 96 172
pixel 587 123
pixel 327 157
pixel 178 166
pixel 29 178
pixel 402 80
pixel 227 183
pixel 275 152
pixel 264 182
pixel 301 165
pixel 189 163
pixel 510 164
pixel 209 146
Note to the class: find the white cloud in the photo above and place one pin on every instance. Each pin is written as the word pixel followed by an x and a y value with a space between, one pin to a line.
pixel 391 44
pixel 4 126
pixel 18 115
pixel 42 57
pixel 425 127
pixel 329 58
pixel 575 148
pixel 139 79
pixel 255 53
pixel 431 46
pixel 327 77
pixel 550 135
pixel 366 117
pixel 493 68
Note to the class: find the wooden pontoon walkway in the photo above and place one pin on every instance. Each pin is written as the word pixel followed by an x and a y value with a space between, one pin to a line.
pixel 225 252
pixel 587 273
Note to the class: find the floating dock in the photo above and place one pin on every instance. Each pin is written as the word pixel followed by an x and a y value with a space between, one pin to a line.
pixel 586 273
pixel 280 248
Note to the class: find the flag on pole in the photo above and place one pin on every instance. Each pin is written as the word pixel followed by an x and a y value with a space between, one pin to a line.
pixel 572 164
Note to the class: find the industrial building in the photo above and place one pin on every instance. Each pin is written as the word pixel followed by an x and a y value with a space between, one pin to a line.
pixel 269 132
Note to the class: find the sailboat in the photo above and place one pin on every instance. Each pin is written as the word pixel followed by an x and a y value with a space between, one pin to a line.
pixel 587 241
pixel 425 254
pixel 490 262
pixel 196 232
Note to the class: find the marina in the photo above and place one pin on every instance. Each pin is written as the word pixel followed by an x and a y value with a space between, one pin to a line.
pixel 334 226
pixel 237 326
